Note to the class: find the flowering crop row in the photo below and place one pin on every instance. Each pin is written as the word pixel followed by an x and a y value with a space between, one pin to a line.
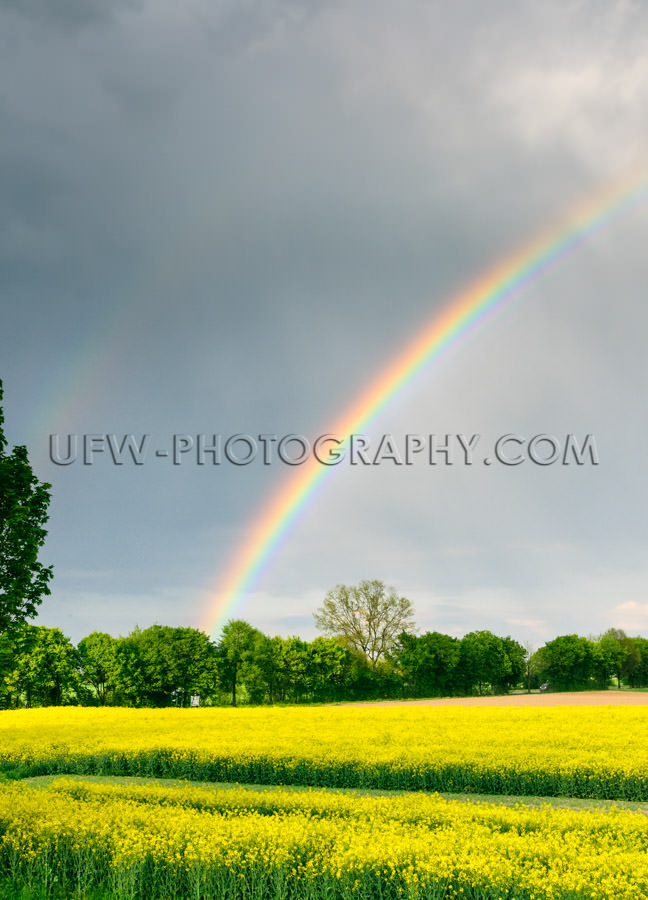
pixel 580 751
pixel 164 842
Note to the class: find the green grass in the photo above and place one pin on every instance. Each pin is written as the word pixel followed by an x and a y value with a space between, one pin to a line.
pixel 41 781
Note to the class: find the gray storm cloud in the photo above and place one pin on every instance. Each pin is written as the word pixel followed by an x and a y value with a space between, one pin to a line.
pixel 229 217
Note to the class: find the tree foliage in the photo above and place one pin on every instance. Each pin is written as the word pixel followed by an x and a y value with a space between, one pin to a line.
pixel 176 663
pixel 97 664
pixel 609 655
pixel 44 668
pixel 567 662
pixel 234 653
pixel 428 664
pixel 24 581
pixel 164 666
pixel 368 617
pixel 637 672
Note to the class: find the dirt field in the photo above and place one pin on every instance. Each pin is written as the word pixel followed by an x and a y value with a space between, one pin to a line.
pixel 582 698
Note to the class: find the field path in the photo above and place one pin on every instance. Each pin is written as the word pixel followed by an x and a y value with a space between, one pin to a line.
pixel 574 803
pixel 579 698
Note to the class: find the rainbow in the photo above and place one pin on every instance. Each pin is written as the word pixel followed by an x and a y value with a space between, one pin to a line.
pixel 462 314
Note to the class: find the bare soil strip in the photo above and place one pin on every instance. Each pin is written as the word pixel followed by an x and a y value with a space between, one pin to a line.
pixel 580 698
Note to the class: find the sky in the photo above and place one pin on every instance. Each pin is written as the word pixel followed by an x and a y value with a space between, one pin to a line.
pixel 229 217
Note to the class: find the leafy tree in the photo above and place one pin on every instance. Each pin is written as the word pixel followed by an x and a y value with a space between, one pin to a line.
pixel 129 673
pixel 427 664
pixel 96 654
pixel 234 651
pixel 567 662
pixel 609 655
pixel 534 673
pixel 176 663
pixel 368 617
pixel 17 682
pixel 265 675
pixel 329 668
pixel 632 658
pixel 45 667
pixel 289 669
pixel 637 673
pixel 528 656
pixel 296 668
pixel 12 645
pixel 23 513
pixel 485 662
pixel 516 654
pixel 157 666
pixel 373 682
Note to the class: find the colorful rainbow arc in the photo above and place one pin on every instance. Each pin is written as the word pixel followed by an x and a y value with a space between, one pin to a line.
pixel 464 312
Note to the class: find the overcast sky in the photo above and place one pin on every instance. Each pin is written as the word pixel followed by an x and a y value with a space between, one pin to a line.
pixel 228 217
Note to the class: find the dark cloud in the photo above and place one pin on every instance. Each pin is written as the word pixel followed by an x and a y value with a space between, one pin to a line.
pixel 69 15
pixel 228 217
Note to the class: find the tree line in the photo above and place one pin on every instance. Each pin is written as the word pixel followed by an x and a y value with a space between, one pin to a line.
pixel 165 666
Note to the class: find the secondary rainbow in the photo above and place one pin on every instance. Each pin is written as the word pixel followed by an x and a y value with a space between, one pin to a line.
pixel 463 313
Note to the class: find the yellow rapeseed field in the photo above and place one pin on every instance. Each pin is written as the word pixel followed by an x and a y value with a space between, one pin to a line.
pixel 574 751
pixel 153 841
pixel 76 838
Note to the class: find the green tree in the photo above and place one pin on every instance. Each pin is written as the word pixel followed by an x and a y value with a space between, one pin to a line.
pixel 234 651
pixel 517 655
pixel 156 666
pixel 534 673
pixel 265 675
pixel 44 669
pixel 637 673
pixel 567 662
pixel 609 656
pixel 427 664
pixel 632 658
pixel 128 673
pixel 96 653
pixel 296 658
pixel 276 669
pixel 368 617
pixel 176 662
pixel 24 581
pixel 329 667
pixel 485 662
